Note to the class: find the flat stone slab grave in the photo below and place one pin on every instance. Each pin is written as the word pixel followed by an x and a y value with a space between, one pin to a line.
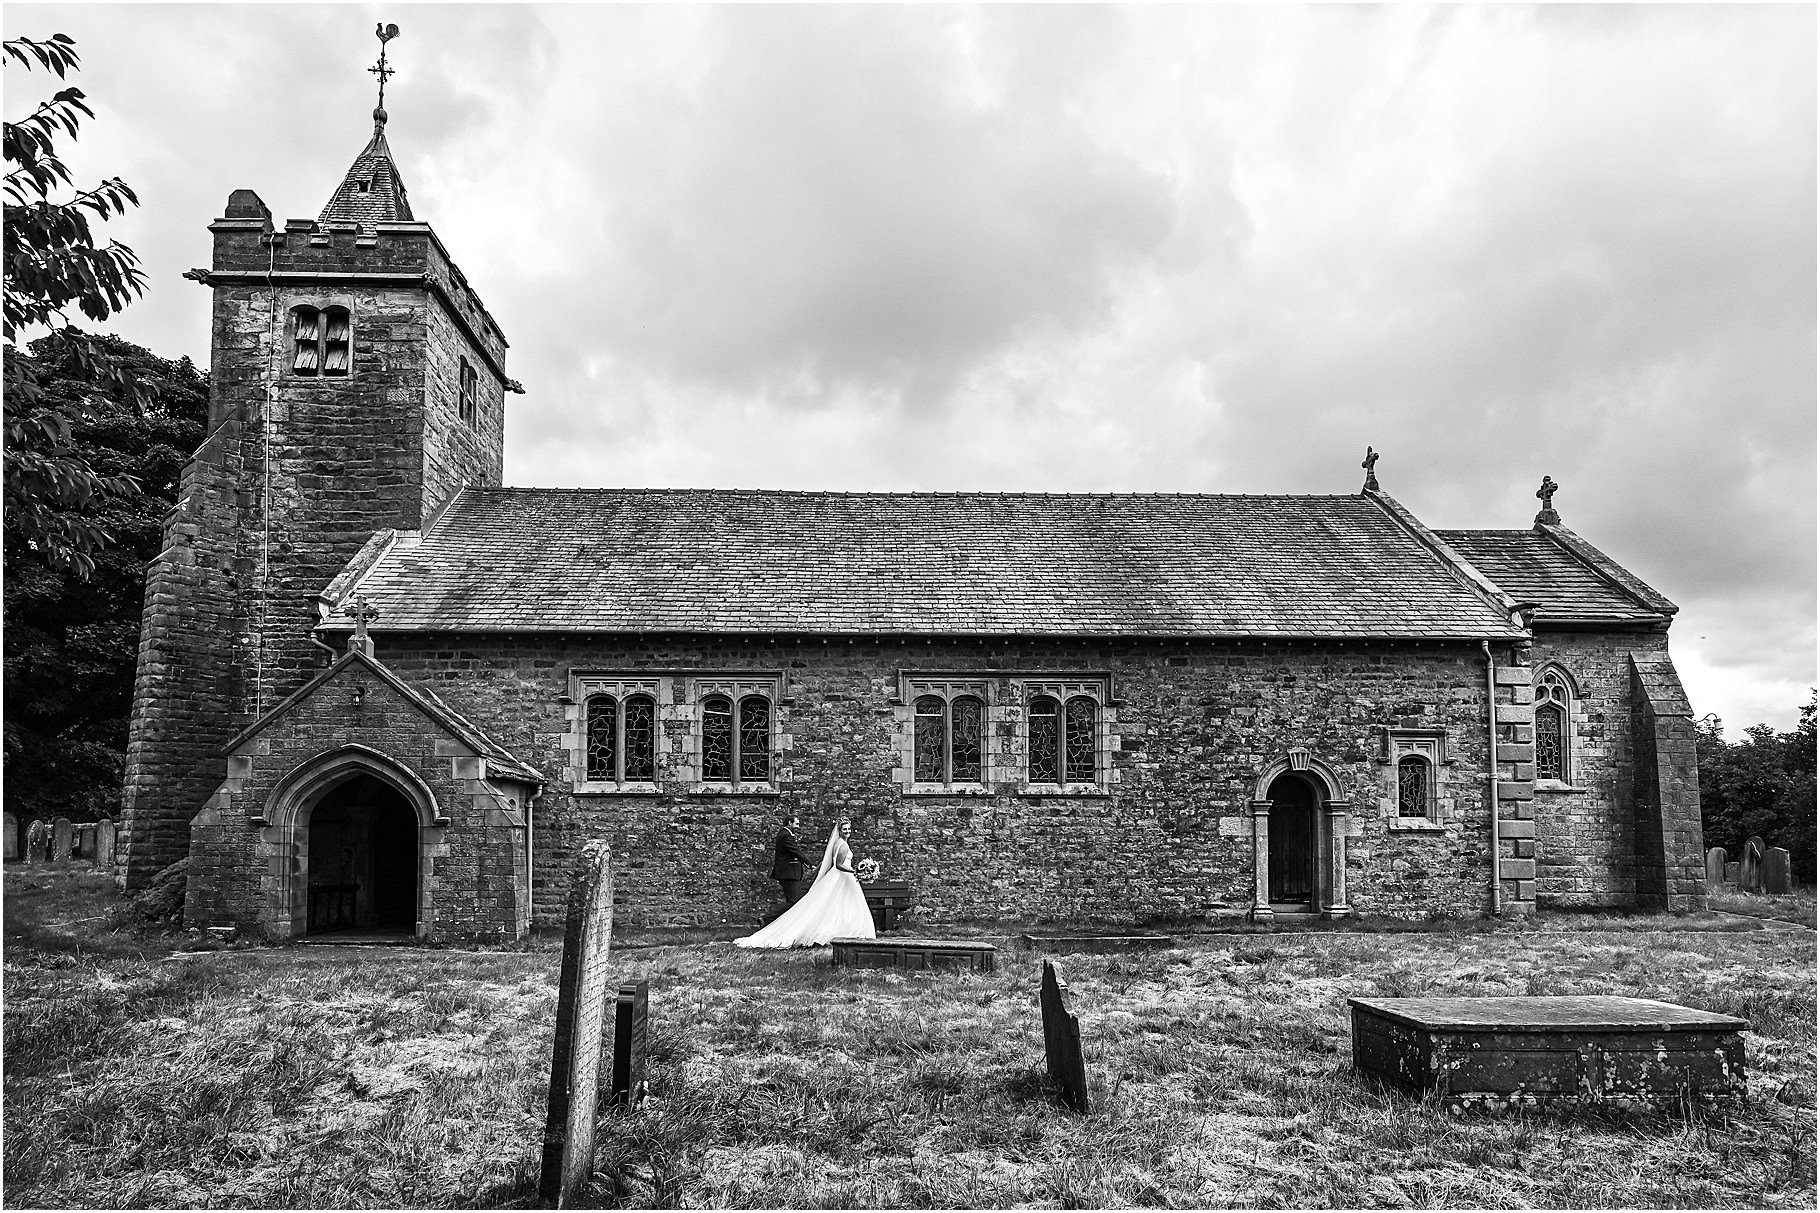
pixel 1523 1051
pixel 1095 943
pixel 917 955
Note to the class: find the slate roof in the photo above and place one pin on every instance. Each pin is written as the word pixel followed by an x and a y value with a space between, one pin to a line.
pixel 666 560
pixel 383 201
pixel 1534 566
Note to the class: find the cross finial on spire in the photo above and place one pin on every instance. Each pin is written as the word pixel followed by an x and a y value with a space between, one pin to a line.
pixel 362 613
pixel 385 33
pixel 1371 470
pixel 1547 495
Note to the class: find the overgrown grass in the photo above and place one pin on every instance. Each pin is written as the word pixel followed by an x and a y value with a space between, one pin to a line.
pixel 1220 1069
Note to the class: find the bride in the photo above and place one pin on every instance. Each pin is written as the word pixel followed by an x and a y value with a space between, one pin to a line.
pixel 833 908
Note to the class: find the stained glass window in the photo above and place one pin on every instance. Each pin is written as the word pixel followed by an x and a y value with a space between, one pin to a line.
pixel 966 714
pixel 603 722
pixel 929 740
pixel 640 739
pixel 1079 741
pixel 1548 742
pixel 1045 740
pixel 717 739
pixel 755 738
pixel 1412 786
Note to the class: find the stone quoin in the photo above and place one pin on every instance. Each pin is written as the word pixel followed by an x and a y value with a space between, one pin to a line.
pixel 377 690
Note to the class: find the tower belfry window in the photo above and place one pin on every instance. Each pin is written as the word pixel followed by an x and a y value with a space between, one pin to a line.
pixel 470 392
pixel 322 341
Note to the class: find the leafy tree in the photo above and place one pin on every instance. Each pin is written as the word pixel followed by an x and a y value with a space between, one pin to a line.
pixel 71 639
pixel 52 264
pixel 1762 785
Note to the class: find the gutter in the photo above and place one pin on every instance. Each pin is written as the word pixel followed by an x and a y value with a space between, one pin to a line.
pixel 1491 770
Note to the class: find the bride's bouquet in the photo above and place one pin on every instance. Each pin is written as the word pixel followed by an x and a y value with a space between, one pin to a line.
pixel 868 870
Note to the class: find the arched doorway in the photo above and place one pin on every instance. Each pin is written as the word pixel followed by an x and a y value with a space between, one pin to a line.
pixel 1293 839
pixel 360 850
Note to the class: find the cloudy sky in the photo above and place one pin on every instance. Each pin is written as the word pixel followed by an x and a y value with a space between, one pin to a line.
pixel 1197 249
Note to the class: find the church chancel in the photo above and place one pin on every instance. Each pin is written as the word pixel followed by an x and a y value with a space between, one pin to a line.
pixel 379 691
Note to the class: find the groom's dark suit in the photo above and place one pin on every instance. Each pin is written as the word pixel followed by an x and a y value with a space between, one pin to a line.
pixel 790 866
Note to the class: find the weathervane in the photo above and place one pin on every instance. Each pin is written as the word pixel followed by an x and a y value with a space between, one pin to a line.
pixel 385 33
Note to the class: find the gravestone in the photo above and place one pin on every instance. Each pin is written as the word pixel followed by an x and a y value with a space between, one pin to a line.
pixel 1062 1040
pixel 1715 866
pixel 581 1008
pixel 37 841
pixel 84 847
pixel 1775 871
pixel 1731 873
pixel 631 1043
pixel 1750 877
pixel 104 843
pixel 1504 1052
pixel 12 838
pixel 62 834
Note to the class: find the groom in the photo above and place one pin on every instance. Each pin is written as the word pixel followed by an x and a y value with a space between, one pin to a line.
pixel 790 864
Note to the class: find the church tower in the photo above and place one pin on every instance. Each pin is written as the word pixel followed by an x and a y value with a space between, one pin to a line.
pixel 357 384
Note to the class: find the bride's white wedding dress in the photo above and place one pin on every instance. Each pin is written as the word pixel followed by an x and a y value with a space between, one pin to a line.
pixel 833 908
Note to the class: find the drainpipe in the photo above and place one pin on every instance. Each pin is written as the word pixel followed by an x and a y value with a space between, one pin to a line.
pixel 1491 770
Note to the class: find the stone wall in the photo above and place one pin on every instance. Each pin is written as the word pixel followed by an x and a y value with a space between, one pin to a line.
pixel 1585 828
pixel 1194 725
pixel 253 542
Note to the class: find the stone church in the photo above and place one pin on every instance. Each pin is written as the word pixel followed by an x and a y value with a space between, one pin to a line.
pixel 378 691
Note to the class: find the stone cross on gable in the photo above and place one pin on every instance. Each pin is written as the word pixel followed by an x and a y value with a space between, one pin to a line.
pixel 362 613
pixel 1547 496
pixel 1371 469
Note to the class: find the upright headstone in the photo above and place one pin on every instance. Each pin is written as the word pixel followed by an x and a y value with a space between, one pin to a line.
pixel 1062 1040
pixel 37 841
pixel 631 1042
pixel 12 837
pixel 85 842
pixel 1750 879
pixel 62 834
pixel 1731 872
pixel 581 1009
pixel 104 843
pixel 1776 876
pixel 1715 866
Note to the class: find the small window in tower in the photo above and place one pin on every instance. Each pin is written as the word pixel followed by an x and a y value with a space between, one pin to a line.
pixel 470 392
pixel 322 341
pixel 366 185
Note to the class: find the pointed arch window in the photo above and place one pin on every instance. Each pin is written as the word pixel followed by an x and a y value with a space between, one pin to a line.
pixel 1554 727
pixel 1062 741
pixel 322 341
pixel 621 739
pixel 736 739
pixel 949 739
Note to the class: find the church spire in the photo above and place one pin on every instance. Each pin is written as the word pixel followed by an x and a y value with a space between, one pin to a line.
pixel 372 192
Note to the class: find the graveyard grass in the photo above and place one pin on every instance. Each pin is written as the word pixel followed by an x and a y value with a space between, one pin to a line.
pixel 337 1077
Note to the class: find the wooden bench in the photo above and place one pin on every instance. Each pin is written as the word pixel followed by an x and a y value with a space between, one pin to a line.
pixel 887 899
pixel 1503 1052
pixel 917 955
